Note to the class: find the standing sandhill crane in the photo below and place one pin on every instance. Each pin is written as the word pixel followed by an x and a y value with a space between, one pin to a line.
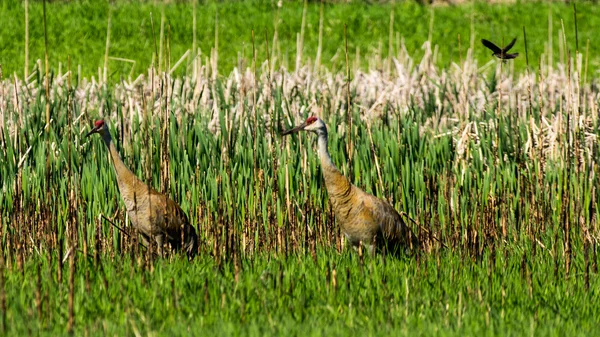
pixel 364 218
pixel 155 215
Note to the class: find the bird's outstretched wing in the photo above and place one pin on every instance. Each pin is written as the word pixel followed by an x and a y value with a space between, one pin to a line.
pixel 510 45
pixel 491 46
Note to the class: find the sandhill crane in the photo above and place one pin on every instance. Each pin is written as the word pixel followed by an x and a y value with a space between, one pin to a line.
pixel 156 216
pixel 364 218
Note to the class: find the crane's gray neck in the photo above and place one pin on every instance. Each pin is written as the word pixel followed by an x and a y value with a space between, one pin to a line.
pixel 338 187
pixel 322 148
pixel 107 138
pixel 117 161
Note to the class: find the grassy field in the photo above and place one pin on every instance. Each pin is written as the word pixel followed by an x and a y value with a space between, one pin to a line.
pixel 496 168
pixel 79 29
pixel 272 295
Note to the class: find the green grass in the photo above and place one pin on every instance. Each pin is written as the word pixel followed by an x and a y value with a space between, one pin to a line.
pixel 79 29
pixel 505 197
pixel 447 296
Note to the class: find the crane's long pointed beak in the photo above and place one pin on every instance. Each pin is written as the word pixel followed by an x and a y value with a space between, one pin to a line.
pixel 94 130
pixel 293 130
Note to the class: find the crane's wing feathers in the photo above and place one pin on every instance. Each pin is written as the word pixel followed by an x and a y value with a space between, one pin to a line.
pixel 491 46
pixel 175 223
pixel 394 230
pixel 164 206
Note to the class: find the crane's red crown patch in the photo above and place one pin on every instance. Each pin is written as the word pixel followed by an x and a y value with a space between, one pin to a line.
pixel 311 120
pixel 99 123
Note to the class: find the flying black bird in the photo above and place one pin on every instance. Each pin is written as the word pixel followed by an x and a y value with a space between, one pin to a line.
pixel 501 53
